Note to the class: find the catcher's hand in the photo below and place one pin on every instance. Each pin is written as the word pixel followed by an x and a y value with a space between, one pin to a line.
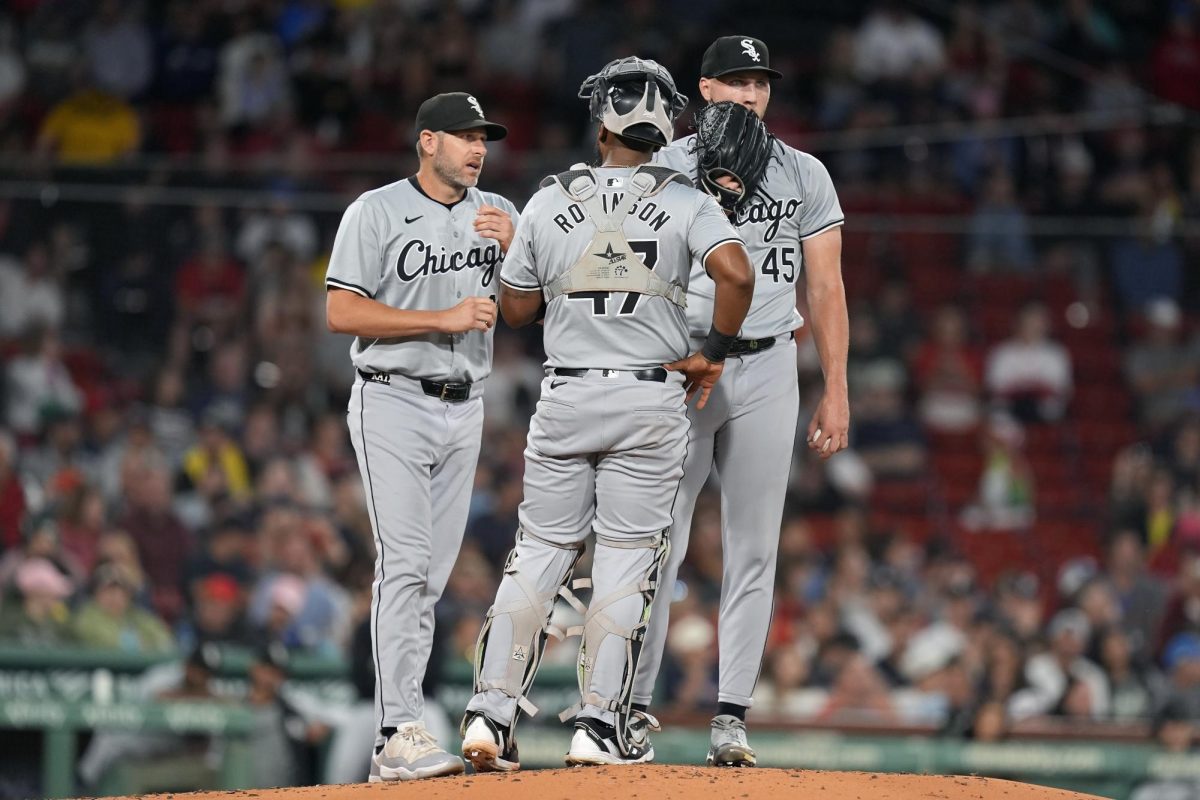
pixel 733 149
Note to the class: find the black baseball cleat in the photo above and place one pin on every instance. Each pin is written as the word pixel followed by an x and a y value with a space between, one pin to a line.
pixel 728 745
pixel 595 743
pixel 488 745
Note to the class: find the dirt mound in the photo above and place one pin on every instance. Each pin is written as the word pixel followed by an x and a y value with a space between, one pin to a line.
pixel 661 782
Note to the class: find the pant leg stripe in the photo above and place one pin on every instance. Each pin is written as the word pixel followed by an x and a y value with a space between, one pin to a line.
pixel 377 601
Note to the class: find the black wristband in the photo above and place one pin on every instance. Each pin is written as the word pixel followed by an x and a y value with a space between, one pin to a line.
pixel 716 346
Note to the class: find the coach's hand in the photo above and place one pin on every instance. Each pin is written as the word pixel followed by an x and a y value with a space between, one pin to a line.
pixel 829 430
pixel 699 375
pixel 472 314
pixel 494 223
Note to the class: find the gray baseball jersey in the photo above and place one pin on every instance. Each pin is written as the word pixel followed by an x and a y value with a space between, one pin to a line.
pixel 401 247
pixel 747 430
pixel 416 453
pixel 670 230
pixel 796 202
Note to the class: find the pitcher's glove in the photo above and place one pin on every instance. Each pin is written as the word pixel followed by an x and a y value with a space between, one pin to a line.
pixel 731 141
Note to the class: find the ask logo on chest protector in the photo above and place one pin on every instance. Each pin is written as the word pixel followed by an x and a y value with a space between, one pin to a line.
pixel 418 259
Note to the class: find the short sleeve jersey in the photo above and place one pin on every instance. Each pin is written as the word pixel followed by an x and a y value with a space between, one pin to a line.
pixel 401 247
pixel 796 201
pixel 615 330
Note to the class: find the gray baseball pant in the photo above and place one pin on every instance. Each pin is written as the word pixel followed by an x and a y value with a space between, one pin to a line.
pixel 746 432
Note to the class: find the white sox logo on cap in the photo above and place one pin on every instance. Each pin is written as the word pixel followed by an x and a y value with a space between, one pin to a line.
pixel 749 49
pixel 475 105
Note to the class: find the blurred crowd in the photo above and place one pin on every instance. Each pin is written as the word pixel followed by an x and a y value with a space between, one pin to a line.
pixel 1025 354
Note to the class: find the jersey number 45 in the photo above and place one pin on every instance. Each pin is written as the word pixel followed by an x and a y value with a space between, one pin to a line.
pixel 647 249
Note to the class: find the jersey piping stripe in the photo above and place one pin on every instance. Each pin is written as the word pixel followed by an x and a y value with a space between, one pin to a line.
pixel 337 284
pixel 823 228
pixel 519 287
pixel 377 602
pixel 708 252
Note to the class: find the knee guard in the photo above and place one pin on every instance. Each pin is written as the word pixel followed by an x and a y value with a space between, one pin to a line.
pixel 598 626
pixel 528 615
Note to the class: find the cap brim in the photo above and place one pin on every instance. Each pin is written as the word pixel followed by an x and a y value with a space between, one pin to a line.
pixel 493 131
pixel 776 74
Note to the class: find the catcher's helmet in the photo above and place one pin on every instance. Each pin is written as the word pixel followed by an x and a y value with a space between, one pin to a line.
pixel 635 98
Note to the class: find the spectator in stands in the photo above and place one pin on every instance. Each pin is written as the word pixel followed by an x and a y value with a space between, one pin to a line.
pixel 12 494
pixel 1149 266
pixel 1030 373
pixel 223 552
pixel 39 382
pixel 885 435
pixel 298 604
pixel 1051 674
pixel 171 425
pixel 31 294
pixel 859 693
pixel 62 462
pixel 215 466
pixel 1097 599
pixel 1181 660
pixel 1161 367
pixel 187 57
pixel 893 43
pixel 999 239
pixel 38 616
pixel 691 667
pixel 41 542
pixel 119 50
pixel 1143 596
pixel 1175 63
pixel 253 83
pixel 82 522
pixel 111 621
pixel 1006 487
pixel 163 543
pixel 948 372
pixel 89 128
pixel 278 224
pixel 227 392
pixel 210 288
pixel 1019 605
pixel 1133 689
pixel 218 614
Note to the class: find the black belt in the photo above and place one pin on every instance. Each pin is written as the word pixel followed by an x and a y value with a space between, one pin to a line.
pixel 657 374
pixel 449 392
pixel 743 347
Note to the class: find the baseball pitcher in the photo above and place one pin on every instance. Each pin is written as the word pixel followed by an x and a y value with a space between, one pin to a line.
pixel 786 211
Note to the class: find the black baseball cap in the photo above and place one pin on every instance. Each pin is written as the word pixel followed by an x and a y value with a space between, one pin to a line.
pixel 455 111
pixel 736 54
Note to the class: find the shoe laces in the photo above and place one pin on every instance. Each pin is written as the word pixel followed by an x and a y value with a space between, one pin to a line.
pixel 733 728
pixel 415 742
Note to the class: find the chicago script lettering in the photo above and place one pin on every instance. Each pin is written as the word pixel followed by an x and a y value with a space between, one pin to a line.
pixel 419 259
pixel 771 212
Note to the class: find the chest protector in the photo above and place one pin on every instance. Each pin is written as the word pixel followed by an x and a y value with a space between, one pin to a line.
pixel 609 264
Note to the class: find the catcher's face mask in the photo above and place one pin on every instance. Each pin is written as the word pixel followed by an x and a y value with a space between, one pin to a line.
pixel 635 98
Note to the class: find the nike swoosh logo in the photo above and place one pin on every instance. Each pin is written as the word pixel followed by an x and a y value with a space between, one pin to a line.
pixel 556 384
pixel 411 220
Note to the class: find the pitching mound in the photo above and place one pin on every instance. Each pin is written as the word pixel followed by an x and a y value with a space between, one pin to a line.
pixel 655 782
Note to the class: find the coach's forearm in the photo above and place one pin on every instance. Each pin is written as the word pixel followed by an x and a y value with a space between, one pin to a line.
pixel 827 305
pixel 347 312
pixel 730 268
